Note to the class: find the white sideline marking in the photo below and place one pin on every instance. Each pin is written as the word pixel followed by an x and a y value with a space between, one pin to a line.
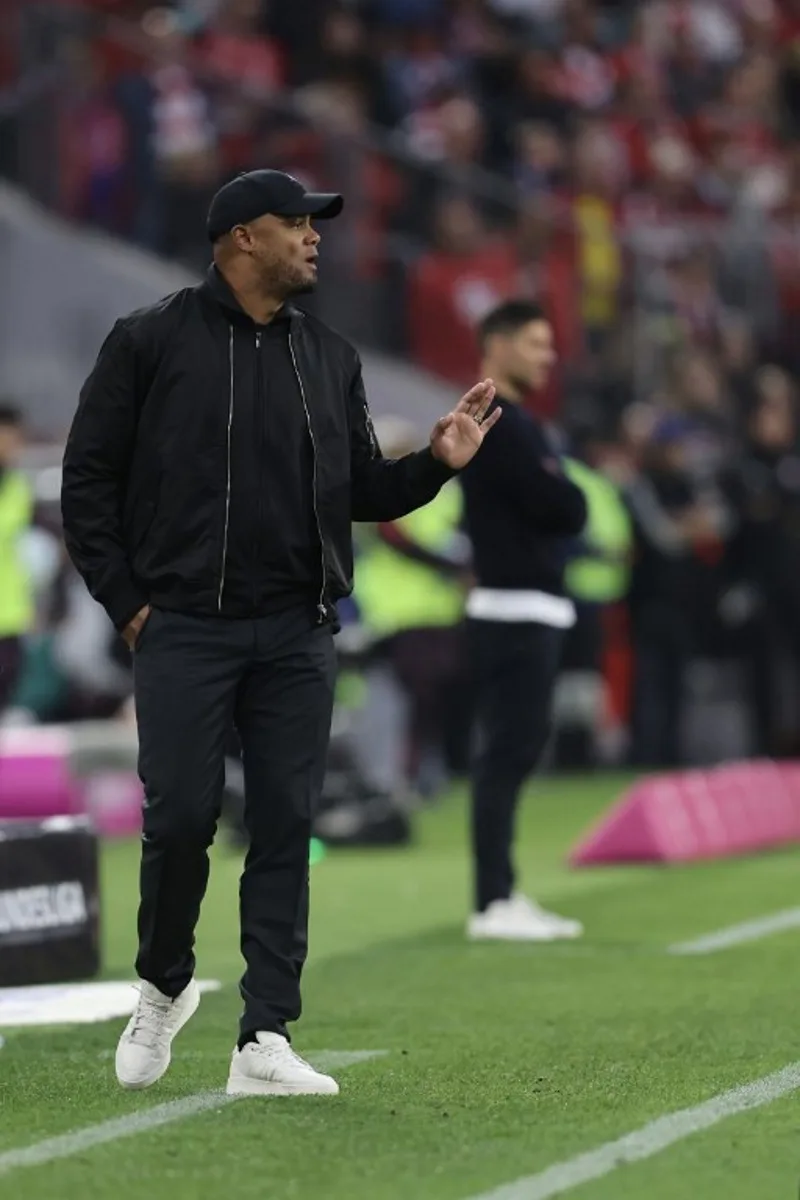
pixel 649 1140
pixel 735 935
pixel 74 1003
pixel 110 1131
pixel 152 1118
pixel 334 1060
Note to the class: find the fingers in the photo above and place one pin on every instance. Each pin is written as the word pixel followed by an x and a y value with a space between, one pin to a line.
pixel 441 426
pixel 477 399
pixel 472 397
pixel 490 421
pixel 489 396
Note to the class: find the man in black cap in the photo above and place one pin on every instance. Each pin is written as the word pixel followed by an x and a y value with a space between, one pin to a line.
pixel 221 448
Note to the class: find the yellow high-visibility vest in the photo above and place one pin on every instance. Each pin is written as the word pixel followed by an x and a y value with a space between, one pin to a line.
pixel 394 592
pixel 16 590
pixel 602 576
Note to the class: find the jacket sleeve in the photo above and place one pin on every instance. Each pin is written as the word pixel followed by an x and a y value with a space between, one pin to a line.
pixel 95 469
pixel 550 502
pixel 384 489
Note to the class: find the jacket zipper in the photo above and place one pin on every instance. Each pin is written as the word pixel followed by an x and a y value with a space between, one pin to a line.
pixel 322 611
pixel 260 439
pixel 228 477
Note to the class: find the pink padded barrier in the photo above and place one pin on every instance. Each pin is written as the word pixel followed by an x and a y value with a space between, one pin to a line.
pixel 35 779
pixel 114 801
pixel 687 815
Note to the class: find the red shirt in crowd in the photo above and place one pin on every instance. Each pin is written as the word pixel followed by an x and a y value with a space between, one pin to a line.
pixel 254 63
pixel 251 70
pixel 449 294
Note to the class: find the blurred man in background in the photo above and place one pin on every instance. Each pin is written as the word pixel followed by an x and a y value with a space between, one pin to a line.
pixel 16 590
pixel 672 519
pixel 765 562
pixel 520 508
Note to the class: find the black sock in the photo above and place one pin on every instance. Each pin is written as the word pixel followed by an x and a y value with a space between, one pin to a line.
pixel 246 1038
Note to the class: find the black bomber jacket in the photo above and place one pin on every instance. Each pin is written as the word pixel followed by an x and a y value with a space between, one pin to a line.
pixel 147 467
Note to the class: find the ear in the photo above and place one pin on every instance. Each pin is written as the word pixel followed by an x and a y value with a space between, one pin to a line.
pixel 242 238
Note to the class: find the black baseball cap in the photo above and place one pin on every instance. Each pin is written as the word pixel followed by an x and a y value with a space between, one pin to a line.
pixel 255 193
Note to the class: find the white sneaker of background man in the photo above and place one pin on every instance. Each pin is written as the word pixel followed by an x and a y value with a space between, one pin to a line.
pixel 266 1066
pixel 519 919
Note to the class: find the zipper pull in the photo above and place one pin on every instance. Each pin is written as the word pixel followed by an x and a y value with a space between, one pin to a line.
pixel 258 339
pixel 322 614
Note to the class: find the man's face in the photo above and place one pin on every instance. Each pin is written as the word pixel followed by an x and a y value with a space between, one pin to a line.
pixel 10 445
pixel 284 253
pixel 528 356
pixel 773 424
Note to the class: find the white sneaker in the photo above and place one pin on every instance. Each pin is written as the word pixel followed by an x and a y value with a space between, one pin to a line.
pixel 145 1048
pixel 520 920
pixel 270 1067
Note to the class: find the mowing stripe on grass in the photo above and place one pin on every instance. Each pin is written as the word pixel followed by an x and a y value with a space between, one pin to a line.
pixel 152 1118
pixel 649 1140
pixel 735 935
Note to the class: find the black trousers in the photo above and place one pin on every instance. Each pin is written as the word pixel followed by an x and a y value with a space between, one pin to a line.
pixel 273 679
pixel 515 668
pixel 661 651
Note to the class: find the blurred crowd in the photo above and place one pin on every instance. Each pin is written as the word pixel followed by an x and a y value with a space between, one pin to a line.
pixel 634 166
pixel 624 161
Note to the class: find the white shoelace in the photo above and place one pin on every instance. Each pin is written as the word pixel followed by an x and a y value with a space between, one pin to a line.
pixel 280 1053
pixel 149 1021
pixel 527 905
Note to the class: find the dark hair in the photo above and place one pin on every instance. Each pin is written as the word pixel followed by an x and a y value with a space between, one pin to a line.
pixel 10 414
pixel 509 317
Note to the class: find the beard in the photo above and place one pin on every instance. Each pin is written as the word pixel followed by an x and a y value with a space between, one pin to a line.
pixel 531 381
pixel 280 278
pixel 302 287
pixel 292 281
pixel 522 384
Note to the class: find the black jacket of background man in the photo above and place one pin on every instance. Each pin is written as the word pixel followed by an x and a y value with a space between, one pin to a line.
pixel 214 466
pixel 520 507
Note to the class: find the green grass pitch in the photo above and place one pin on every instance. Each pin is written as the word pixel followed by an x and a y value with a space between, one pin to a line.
pixel 501 1059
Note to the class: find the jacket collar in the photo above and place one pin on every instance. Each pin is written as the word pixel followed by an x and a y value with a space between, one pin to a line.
pixel 216 287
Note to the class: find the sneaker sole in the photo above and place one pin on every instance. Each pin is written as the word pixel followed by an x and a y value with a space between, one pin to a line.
pixel 263 1087
pixel 139 1085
